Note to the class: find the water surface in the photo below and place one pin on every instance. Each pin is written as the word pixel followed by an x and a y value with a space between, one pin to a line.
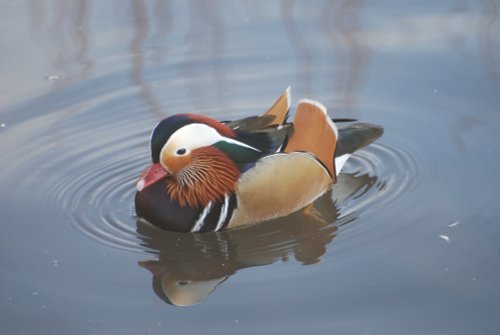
pixel 406 243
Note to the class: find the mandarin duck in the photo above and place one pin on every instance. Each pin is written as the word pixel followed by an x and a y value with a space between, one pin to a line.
pixel 208 175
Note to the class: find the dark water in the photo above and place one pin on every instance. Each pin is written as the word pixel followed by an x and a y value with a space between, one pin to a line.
pixel 407 243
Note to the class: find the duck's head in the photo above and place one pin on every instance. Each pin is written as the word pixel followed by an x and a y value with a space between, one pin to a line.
pixel 200 157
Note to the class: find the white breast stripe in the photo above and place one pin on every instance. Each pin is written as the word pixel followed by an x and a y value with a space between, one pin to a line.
pixel 223 213
pixel 199 223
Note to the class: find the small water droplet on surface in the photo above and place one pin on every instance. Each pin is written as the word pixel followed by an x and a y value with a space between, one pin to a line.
pixel 55 262
pixel 53 77
pixel 454 224
pixel 444 237
pixel 3 125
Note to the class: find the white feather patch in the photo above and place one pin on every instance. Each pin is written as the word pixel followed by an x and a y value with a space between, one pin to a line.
pixel 193 136
pixel 199 223
pixel 223 213
pixel 340 162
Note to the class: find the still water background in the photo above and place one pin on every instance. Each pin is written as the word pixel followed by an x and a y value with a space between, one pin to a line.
pixel 406 244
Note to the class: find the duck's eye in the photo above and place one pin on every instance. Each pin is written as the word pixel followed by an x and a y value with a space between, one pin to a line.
pixel 181 152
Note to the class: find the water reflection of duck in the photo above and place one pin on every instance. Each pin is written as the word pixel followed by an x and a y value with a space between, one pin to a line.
pixel 207 175
pixel 186 268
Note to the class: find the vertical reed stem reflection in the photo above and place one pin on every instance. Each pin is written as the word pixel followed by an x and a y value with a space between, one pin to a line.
pixel 341 24
pixel 299 46
pixel 65 30
pixel 141 29
pixel 203 66
pixel 488 31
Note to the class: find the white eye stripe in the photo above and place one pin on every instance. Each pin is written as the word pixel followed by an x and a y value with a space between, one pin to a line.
pixel 193 136
pixel 197 135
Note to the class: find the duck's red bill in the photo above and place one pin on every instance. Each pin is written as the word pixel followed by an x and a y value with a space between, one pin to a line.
pixel 151 175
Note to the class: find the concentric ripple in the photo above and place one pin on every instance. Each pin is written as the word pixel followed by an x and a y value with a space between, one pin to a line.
pixel 97 195
pixel 397 170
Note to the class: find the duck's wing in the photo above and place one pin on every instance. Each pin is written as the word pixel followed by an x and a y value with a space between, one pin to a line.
pixel 278 185
pixel 267 132
pixel 315 133
pixel 251 123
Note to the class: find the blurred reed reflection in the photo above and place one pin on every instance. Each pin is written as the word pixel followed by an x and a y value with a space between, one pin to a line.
pixel 302 50
pixel 335 48
pixel 203 66
pixel 342 25
pixel 461 25
pixel 186 268
pixel 164 26
pixel 140 20
pixel 63 26
pixel 489 38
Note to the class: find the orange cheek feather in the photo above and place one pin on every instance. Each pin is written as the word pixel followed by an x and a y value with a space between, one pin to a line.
pixel 175 163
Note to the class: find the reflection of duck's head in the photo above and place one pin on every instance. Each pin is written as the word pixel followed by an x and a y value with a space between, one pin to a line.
pixel 208 175
pixel 188 267
pixel 179 289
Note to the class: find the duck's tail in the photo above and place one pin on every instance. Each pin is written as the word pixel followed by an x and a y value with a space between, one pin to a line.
pixel 315 133
pixel 353 137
